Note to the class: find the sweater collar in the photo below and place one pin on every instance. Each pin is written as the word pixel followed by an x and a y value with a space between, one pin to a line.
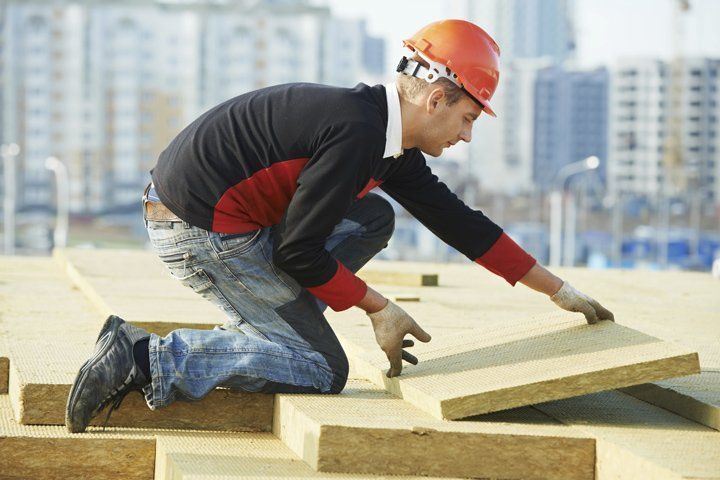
pixel 393 134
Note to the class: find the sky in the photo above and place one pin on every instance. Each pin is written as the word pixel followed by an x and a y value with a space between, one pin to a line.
pixel 606 29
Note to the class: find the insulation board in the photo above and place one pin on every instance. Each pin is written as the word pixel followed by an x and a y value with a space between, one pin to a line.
pixel 41 375
pixel 50 452
pixel 389 436
pixel 4 367
pixel 50 329
pixel 399 278
pixel 696 397
pixel 196 456
pixel 486 370
pixel 639 440
pixel 135 285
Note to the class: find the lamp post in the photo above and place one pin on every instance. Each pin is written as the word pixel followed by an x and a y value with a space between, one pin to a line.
pixel 63 198
pixel 556 200
pixel 8 152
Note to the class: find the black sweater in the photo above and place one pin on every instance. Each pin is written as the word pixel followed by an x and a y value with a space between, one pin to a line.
pixel 299 155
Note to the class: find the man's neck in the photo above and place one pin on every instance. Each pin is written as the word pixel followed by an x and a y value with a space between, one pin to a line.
pixel 410 129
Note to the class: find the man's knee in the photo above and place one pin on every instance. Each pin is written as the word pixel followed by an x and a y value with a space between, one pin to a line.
pixel 340 369
pixel 382 214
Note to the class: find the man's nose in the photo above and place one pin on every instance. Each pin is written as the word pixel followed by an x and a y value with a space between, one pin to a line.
pixel 466 135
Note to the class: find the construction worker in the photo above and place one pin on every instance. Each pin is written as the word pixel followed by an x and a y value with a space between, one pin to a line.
pixel 262 206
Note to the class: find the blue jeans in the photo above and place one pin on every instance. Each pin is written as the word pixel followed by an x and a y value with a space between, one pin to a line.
pixel 276 338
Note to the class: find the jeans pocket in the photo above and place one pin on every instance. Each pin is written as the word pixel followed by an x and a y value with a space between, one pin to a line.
pixel 200 283
pixel 232 244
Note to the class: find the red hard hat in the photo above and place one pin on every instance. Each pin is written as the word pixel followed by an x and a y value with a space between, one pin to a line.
pixel 467 50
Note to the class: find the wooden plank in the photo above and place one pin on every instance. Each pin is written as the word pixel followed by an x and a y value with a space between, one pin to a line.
pixel 50 452
pixel 482 370
pixel 696 397
pixel 639 440
pixel 196 456
pixel 388 436
pixel 42 373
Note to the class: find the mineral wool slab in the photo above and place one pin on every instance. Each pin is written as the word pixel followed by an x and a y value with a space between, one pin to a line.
pixel 200 456
pixel 4 367
pixel 696 397
pixel 42 373
pixel 520 364
pixel 50 452
pixel 638 440
pixel 136 286
pixel 372 424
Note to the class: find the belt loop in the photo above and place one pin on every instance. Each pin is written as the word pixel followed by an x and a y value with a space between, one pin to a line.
pixel 144 203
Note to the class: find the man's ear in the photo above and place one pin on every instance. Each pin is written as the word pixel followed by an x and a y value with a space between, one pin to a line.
pixel 434 99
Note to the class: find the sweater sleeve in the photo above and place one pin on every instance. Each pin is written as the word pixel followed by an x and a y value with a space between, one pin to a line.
pixel 326 188
pixel 418 190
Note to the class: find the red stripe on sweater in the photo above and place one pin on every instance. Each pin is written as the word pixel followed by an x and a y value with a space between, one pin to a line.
pixel 259 200
pixel 370 185
pixel 507 259
pixel 342 291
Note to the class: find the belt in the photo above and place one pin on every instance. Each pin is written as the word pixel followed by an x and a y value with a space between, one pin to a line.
pixel 153 209
pixel 159 212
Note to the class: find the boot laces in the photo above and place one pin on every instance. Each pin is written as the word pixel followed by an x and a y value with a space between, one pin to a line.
pixel 117 396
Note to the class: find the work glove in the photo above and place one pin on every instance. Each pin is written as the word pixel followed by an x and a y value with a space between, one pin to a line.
pixel 391 324
pixel 572 300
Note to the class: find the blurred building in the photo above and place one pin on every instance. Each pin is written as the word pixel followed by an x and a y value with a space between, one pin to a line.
pixel 640 112
pixel 532 35
pixel 105 86
pixel 570 121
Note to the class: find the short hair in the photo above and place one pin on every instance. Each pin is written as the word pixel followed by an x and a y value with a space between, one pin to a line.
pixel 410 87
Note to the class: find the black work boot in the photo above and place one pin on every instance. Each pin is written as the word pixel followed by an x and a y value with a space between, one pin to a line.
pixel 107 376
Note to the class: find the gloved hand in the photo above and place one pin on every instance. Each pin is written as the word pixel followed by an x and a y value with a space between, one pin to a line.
pixel 391 324
pixel 572 300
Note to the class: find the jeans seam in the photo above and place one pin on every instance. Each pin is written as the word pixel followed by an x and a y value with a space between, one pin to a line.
pixel 272 267
pixel 231 306
pixel 225 301
pixel 243 350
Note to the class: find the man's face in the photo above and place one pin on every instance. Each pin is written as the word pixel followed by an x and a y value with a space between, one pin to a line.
pixel 445 125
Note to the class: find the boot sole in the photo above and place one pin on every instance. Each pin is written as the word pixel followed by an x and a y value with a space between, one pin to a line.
pixel 110 328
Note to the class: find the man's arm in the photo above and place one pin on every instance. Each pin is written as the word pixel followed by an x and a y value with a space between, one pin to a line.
pixel 469 231
pixel 415 187
pixel 325 190
pixel 564 295
pixel 542 280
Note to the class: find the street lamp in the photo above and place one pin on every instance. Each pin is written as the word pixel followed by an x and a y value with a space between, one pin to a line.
pixel 9 151
pixel 556 200
pixel 63 198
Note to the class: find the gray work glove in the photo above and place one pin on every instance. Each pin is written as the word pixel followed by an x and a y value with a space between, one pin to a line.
pixel 391 324
pixel 572 300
